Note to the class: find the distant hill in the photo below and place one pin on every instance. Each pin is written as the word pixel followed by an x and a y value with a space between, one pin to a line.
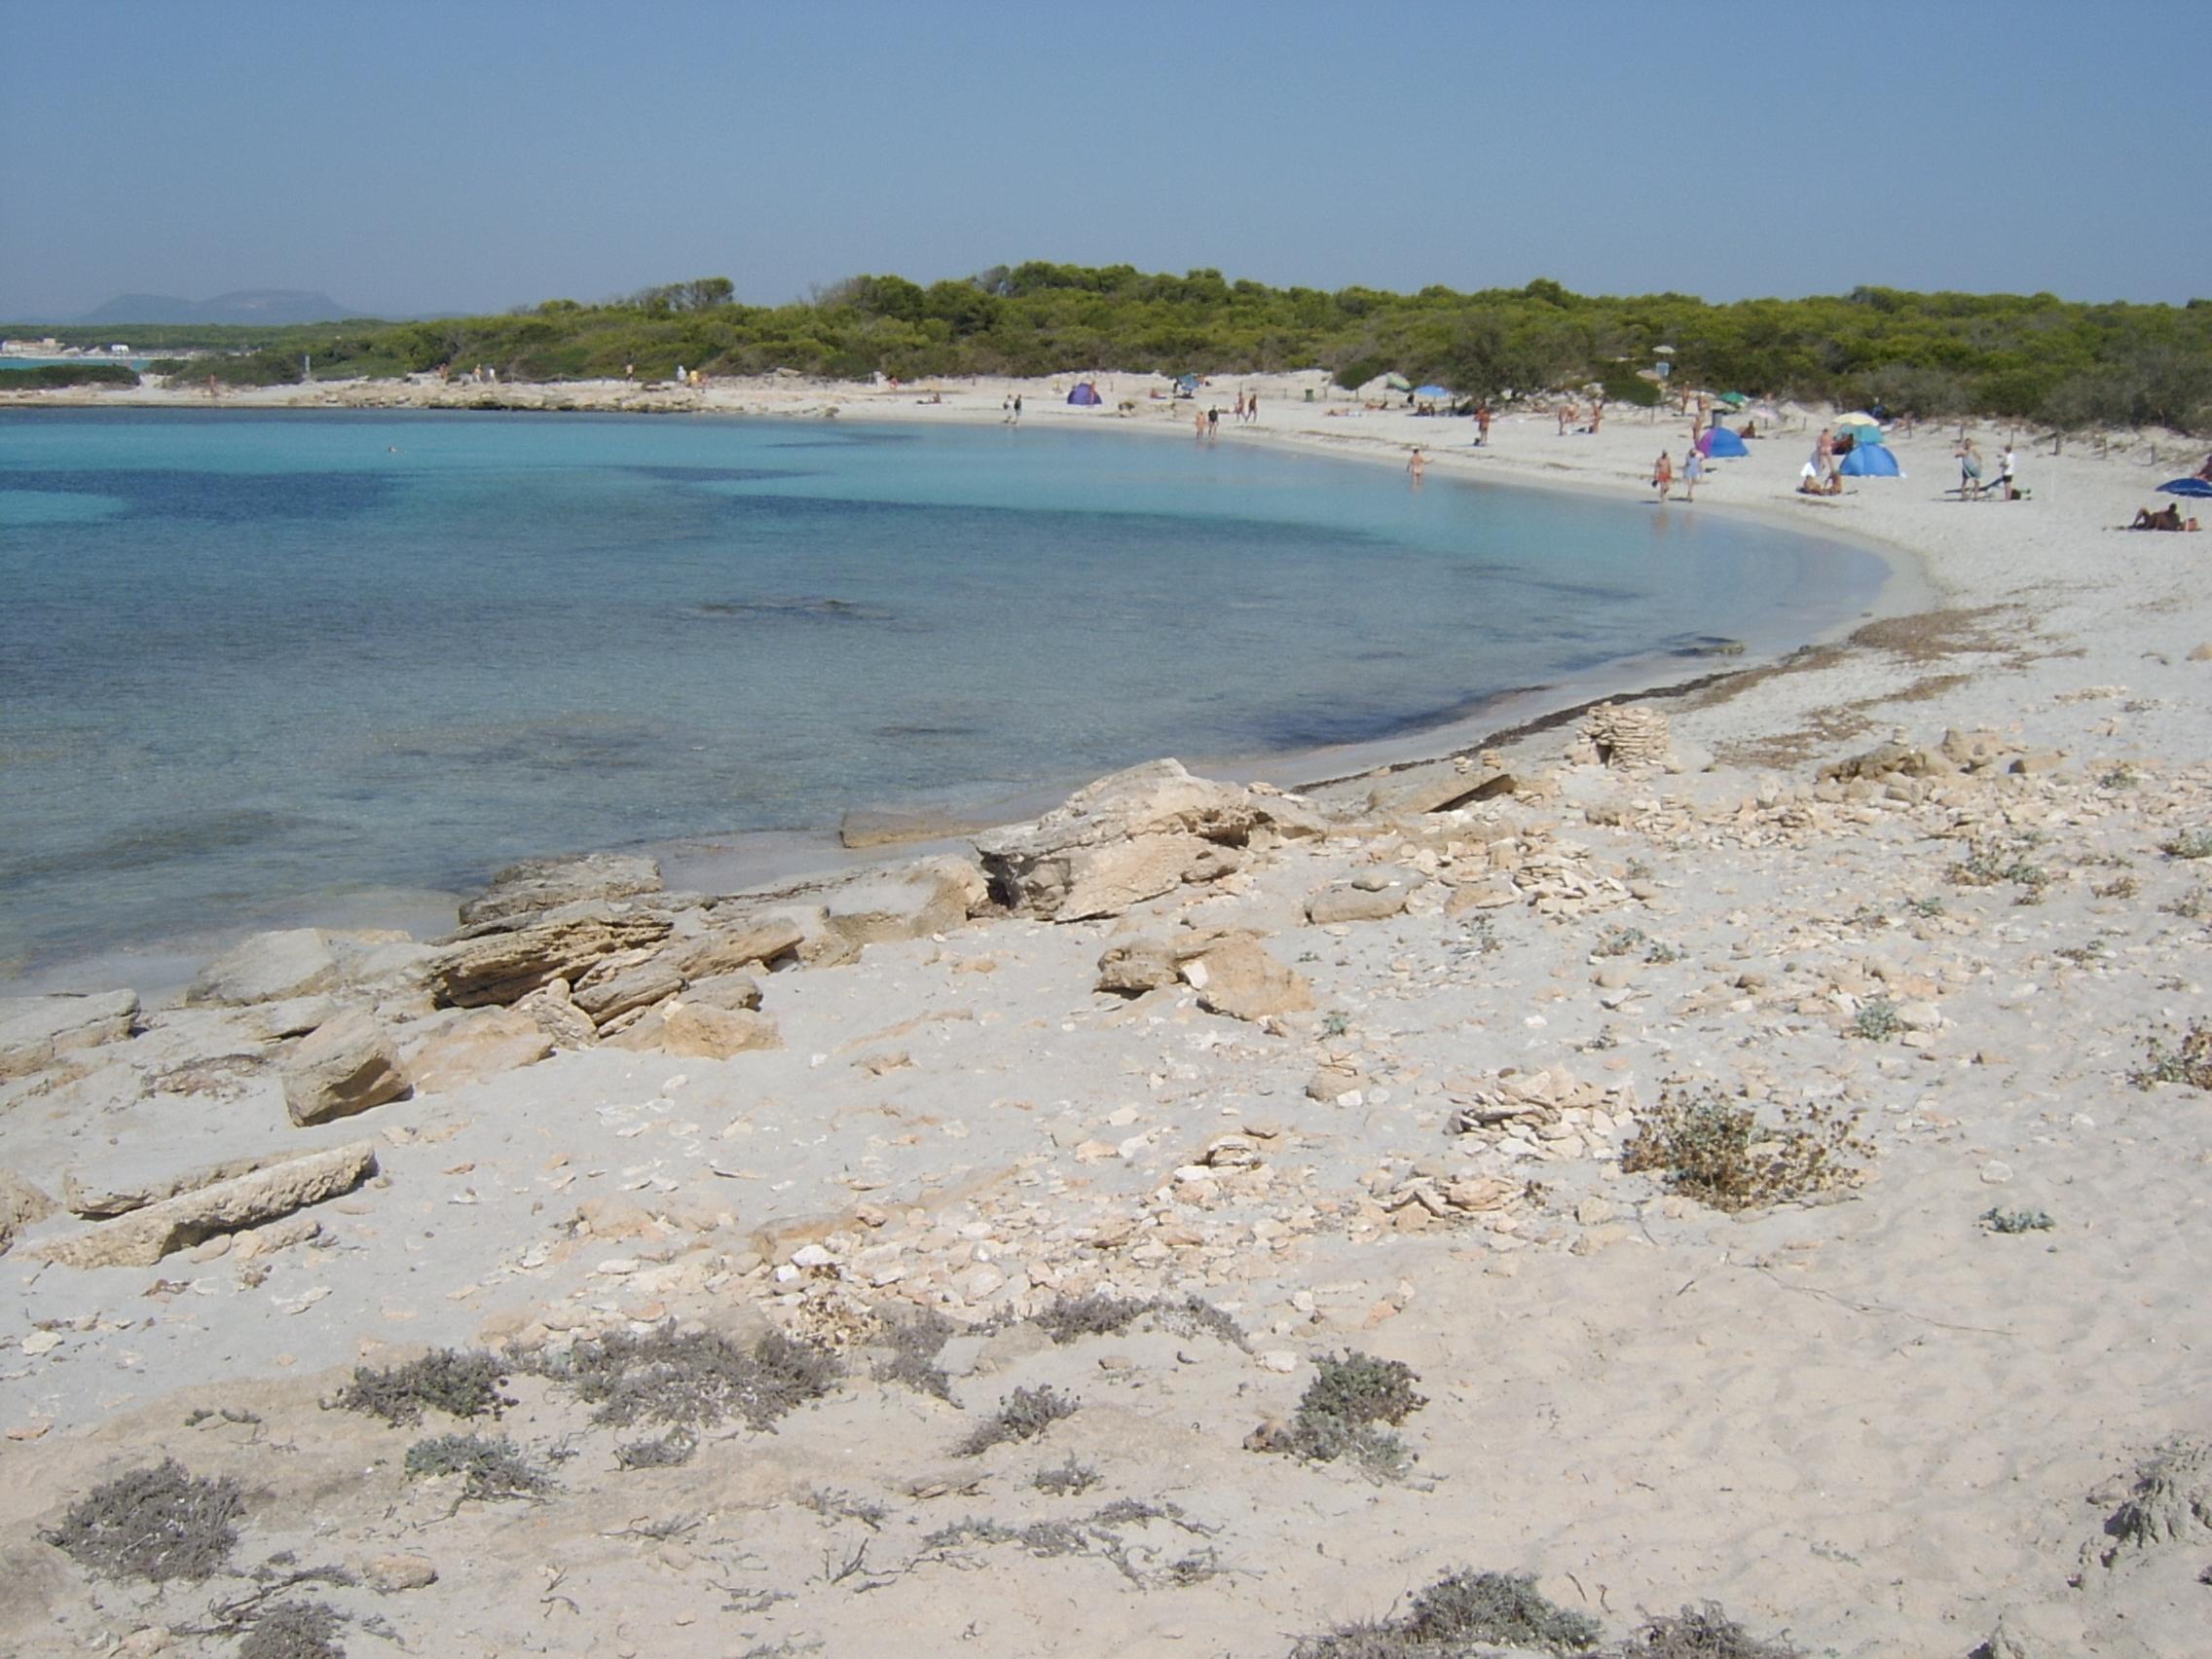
pixel 244 306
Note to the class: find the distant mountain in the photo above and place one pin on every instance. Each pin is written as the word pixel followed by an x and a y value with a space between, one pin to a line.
pixel 246 305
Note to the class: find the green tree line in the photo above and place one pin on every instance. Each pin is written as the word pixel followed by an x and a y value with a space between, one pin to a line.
pixel 2031 357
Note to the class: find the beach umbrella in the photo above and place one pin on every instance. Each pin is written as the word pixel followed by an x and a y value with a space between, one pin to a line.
pixel 2195 489
pixel 1396 382
pixel 1870 459
pixel 1734 400
pixel 1435 393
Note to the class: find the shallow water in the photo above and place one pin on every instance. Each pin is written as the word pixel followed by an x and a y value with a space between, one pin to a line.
pixel 253 659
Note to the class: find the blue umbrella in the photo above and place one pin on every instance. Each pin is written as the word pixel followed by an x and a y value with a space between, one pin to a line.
pixel 2195 489
pixel 1436 394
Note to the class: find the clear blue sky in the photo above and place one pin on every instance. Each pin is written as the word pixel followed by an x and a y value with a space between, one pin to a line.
pixel 477 154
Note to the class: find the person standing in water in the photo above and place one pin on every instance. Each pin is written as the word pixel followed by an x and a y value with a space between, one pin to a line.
pixel 1416 467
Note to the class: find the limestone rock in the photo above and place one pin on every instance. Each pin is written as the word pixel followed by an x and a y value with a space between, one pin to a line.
pixel 536 885
pixel 861 828
pixel 388 1574
pixel 35 1031
pixel 753 942
pixel 293 962
pixel 554 1011
pixel 724 990
pixel 1356 903
pixel 481 1045
pixel 1627 737
pixel 1241 980
pixel 20 1206
pixel 1130 837
pixel 1147 962
pixel 703 1031
pixel 144 1236
pixel 928 898
pixel 1330 1084
pixel 1441 792
pixel 97 1200
pixel 606 996
pixel 506 965
pixel 342 1068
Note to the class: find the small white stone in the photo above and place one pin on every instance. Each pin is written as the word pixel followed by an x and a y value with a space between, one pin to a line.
pixel 1279 1360
pixel 1995 1173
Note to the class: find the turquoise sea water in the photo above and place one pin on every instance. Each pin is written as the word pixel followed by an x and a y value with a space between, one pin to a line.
pixel 247 659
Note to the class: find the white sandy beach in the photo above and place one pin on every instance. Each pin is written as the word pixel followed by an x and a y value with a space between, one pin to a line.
pixel 1364 1083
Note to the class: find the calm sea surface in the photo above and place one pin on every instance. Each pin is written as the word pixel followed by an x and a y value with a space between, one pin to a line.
pixel 252 660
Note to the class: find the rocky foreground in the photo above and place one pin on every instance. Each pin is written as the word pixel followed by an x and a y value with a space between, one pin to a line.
pixel 1202 1220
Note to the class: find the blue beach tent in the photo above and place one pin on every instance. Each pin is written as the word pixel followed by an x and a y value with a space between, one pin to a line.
pixel 1721 443
pixel 1870 461
pixel 1085 395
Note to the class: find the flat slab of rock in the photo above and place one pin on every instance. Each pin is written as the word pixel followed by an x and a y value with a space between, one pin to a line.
pixel 342 1068
pixel 1241 980
pixel 482 1044
pixel 755 941
pixel 701 1031
pixel 36 1031
pixel 861 828
pixel 506 966
pixel 144 1236
pixel 928 898
pixel 293 962
pixel 536 885
pixel 97 1200
pixel 1355 903
pixel 640 985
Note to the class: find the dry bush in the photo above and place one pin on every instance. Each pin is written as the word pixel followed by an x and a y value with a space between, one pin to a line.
pixel 1701 1633
pixel 1714 1150
pixel 2188 1061
pixel 491 1467
pixel 294 1630
pixel 1023 1414
pixel 915 1341
pixel 694 1380
pixel 1457 1611
pixel 156 1522
pixel 460 1385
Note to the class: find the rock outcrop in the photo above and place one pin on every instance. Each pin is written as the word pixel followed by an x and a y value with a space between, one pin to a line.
pixel 342 1068
pixel 480 1044
pixel 1240 979
pixel 502 965
pixel 36 1031
pixel 269 966
pixel 21 1204
pixel 1132 836
pixel 702 1031
pixel 538 885
pixel 143 1236
pixel 923 899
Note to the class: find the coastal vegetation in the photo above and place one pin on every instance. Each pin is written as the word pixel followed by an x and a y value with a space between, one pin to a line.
pixel 2066 364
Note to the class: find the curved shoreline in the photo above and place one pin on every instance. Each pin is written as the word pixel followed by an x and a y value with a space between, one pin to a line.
pixel 1524 454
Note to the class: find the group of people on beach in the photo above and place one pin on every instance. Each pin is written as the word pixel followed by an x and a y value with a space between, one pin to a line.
pixel 1693 472
pixel 2005 487
pixel 1247 407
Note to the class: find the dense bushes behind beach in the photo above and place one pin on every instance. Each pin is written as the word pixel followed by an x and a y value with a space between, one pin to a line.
pixel 2068 365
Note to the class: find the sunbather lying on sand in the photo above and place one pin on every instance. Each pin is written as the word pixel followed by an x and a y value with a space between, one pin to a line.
pixel 2170 519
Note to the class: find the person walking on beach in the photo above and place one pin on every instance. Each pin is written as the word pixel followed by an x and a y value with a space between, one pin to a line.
pixel 1481 425
pixel 1213 422
pixel 1239 411
pixel 1252 409
pixel 1969 471
pixel 1693 469
pixel 1198 424
pixel 1018 409
pixel 2006 487
pixel 1416 467
pixel 1663 475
